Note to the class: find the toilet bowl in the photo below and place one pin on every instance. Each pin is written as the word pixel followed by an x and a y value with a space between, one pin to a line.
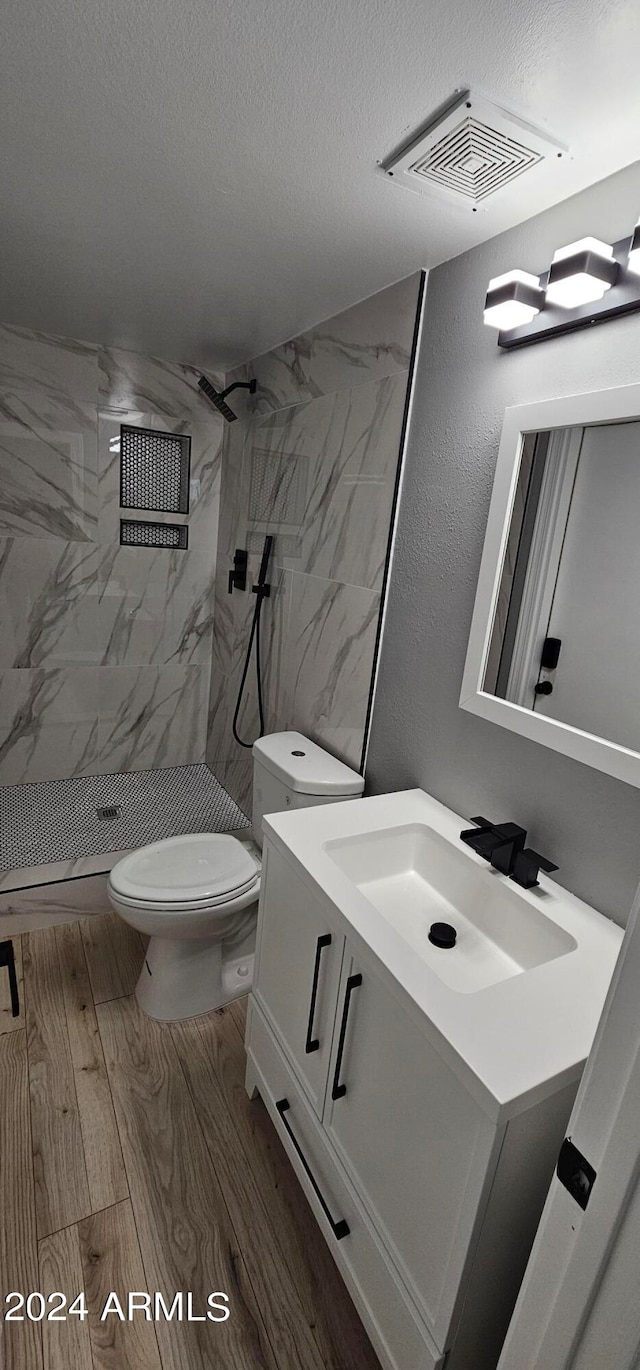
pixel 196 896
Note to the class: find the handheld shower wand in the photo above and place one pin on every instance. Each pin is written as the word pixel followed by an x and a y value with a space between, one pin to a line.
pixel 218 397
pixel 261 590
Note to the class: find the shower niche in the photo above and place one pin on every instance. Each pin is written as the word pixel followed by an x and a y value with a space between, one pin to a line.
pixel 155 478
pixel 154 470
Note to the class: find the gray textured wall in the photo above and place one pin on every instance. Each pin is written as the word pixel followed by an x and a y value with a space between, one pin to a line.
pixel 587 821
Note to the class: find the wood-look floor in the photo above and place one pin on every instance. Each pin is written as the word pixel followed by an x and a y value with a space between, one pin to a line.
pixel 132 1160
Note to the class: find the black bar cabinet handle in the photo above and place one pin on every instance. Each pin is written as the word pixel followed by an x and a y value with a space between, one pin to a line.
pixel 13 987
pixel 312 1043
pixel 7 958
pixel 338 1091
pixel 340 1228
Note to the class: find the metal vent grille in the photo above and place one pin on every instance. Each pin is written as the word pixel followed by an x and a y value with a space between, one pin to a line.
pixel 134 533
pixel 475 160
pixel 154 470
pixel 278 487
pixel 473 153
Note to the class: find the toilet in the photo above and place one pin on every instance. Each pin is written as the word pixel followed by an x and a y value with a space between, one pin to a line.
pixel 196 896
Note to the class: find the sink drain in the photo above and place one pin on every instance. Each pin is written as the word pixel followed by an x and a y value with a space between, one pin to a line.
pixel 442 935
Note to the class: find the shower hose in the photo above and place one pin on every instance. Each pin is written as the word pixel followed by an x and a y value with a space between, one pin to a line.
pixel 261 591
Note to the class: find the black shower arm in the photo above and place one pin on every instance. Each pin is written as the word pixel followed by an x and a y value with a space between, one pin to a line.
pixel 239 385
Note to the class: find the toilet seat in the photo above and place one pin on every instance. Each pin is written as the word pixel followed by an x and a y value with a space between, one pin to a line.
pixel 196 871
pixel 188 906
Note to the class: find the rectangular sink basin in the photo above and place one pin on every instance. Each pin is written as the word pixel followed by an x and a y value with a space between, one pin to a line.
pixel 415 877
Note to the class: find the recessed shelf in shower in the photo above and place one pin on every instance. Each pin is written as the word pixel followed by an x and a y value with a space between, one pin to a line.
pixel 154 470
pixel 143 533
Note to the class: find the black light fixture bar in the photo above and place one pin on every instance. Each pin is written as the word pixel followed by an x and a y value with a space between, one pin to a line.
pixel 622 298
pixel 515 290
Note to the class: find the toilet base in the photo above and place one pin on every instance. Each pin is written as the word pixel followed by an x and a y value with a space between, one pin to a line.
pixel 183 979
pixel 237 976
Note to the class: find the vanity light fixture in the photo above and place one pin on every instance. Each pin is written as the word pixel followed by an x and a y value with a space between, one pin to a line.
pixel 513 299
pixel 581 273
pixel 588 282
pixel 633 262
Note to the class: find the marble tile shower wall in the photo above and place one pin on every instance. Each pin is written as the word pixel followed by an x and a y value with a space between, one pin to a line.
pixel 105 651
pixel 313 460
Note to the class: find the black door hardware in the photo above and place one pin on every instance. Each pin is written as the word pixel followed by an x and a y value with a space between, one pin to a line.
pixel 238 574
pixel 543 687
pixel 7 958
pixel 340 1228
pixel 338 1091
pixel 312 1043
pixel 575 1173
pixel 526 866
pixel 550 654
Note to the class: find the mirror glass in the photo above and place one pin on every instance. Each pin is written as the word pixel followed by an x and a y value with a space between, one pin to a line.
pixel 565 641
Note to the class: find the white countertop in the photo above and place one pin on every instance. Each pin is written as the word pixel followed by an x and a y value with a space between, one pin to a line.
pixel 513 1042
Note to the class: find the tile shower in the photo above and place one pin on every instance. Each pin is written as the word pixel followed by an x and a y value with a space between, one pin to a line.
pixel 105 650
pixel 313 461
pixel 110 654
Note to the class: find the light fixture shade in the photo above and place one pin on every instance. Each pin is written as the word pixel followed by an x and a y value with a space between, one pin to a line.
pixel 512 299
pixel 634 251
pixel 581 272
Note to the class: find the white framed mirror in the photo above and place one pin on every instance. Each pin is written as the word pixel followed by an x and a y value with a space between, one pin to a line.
pixel 554 646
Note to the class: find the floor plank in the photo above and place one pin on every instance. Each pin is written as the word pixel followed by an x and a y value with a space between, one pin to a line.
pixel 327 1304
pixel 238 1011
pixel 66 1345
pixel 62 1193
pixel 114 953
pixel 18 1243
pixel 7 1022
pixel 111 1261
pixel 103 1154
pixel 160 1110
pixel 201 1058
pixel 186 1239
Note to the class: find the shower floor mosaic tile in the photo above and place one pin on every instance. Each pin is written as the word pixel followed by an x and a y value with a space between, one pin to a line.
pixel 57 820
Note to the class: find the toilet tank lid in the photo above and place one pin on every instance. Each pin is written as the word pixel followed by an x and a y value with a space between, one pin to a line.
pixel 305 767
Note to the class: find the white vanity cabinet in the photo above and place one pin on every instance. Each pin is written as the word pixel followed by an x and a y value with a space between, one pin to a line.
pixel 440 1200
pixel 301 950
pixel 412 1140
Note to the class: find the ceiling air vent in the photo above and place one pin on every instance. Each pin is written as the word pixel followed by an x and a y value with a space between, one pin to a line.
pixel 472 154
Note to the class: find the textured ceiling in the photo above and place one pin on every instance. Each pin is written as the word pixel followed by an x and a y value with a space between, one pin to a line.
pixel 199 180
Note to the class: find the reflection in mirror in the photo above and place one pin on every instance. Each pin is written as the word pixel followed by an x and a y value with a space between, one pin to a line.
pixel 566 634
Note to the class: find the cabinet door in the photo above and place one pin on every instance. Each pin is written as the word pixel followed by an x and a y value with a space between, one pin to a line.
pixel 399 1336
pixel 416 1145
pixel 298 962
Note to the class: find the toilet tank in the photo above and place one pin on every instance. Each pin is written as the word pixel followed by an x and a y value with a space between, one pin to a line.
pixel 290 772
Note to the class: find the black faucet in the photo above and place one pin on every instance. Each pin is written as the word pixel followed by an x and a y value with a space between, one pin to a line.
pixel 498 843
pixel 503 845
pixel 526 867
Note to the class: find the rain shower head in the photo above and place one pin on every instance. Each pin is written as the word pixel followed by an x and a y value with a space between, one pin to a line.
pixel 218 397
